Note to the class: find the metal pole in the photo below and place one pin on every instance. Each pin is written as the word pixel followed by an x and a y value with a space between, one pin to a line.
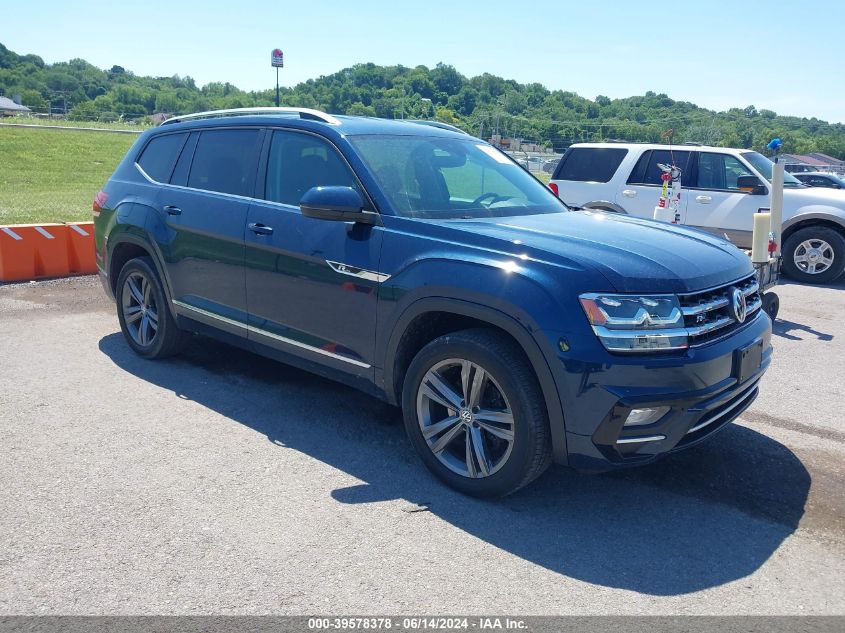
pixel 777 203
pixel 277 86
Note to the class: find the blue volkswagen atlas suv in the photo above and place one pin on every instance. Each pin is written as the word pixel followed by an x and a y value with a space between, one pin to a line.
pixel 424 266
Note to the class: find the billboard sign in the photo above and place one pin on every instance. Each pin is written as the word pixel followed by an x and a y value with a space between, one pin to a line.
pixel 277 58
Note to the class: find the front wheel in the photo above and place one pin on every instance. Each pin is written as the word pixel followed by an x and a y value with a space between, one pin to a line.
pixel 475 413
pixel 814 255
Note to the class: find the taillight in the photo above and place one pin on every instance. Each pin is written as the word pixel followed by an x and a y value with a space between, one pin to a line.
pixel 99 202
pixel 554 189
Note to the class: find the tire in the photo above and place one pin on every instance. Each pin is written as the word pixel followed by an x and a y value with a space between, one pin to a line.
pixel 144 314
pixel 814 255
pixel 497 444
pixel 771 305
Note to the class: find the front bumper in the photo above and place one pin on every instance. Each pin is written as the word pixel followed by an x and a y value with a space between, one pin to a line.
pixel 704 388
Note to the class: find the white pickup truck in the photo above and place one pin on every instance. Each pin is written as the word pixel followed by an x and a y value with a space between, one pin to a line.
pixel 722 188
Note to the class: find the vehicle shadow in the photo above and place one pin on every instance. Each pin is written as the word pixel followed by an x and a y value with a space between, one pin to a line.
pixel 699 519
pixel 836 284
pixel 785 329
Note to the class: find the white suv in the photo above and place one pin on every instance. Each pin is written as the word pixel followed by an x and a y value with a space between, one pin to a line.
pixel 722 189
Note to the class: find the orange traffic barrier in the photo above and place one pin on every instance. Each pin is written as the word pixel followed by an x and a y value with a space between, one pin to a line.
pixel 32 251
pixel 81 253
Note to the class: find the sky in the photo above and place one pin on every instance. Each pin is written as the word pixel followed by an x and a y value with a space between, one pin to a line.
pixel 783 56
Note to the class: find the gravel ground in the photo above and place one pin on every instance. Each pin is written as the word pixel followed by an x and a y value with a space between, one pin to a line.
pixel 220 482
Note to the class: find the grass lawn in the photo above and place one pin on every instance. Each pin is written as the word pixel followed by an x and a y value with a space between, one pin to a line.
pixel 52 175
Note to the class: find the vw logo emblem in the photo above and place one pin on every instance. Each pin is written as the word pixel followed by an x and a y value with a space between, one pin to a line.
pixel 739 307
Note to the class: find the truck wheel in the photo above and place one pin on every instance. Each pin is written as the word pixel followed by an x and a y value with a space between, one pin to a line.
pixel 474 412
pixel 142 310
pixel 814 255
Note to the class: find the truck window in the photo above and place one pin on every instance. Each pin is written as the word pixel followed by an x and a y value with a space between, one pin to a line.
pixel 647 172
pixel 590 164
pixel 719 171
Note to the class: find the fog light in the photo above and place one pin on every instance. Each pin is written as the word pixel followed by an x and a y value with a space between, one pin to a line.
pixel 640 417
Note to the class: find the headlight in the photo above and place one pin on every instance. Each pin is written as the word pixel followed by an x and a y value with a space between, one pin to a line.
pixel 634 323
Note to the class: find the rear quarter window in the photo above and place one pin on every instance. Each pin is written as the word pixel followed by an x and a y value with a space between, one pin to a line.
pixel 160 154
pixel 590 164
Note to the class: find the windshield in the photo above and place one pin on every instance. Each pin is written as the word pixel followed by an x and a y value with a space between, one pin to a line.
pixel 447 178
pixel 765 166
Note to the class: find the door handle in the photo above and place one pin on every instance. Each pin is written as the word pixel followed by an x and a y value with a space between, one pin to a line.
pixel 260 229
pixel 629 193
pixel 703 199
pixel 171 210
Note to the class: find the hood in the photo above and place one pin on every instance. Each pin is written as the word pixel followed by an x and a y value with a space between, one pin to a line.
pixel 804 196
pixel 634 255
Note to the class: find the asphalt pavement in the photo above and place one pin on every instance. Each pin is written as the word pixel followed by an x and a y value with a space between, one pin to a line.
pixel 220 482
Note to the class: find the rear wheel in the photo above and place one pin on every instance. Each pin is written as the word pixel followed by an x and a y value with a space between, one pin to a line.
pixel 475 413
pixel 814 254
pixel 144 315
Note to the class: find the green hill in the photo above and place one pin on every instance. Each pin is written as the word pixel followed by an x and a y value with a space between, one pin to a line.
pixel 477 104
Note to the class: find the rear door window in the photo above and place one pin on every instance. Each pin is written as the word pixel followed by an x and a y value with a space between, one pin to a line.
pixel 648 172
pixel 160 154
pixel 590 164
pixel 225 161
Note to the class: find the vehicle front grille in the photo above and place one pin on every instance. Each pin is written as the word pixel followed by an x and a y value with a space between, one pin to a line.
pixel 709 315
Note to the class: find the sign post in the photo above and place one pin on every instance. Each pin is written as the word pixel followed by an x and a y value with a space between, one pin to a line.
pixel 277 60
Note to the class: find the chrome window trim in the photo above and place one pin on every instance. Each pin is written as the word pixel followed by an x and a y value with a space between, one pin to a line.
pixel 278 337
pixel 183 188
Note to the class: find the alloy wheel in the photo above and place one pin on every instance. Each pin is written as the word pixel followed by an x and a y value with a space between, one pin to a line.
pixel 140 312
pixel 465 418
pixel 813 256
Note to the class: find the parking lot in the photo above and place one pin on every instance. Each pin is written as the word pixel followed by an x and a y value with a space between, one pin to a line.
pixel 221 482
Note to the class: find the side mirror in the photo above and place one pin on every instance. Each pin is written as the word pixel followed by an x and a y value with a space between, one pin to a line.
pixel 341 204
pixel 751 184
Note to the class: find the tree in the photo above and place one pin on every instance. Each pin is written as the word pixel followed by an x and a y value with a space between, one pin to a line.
pixel 33 100
pixel 167 102
pixel 704 133
pixel 360 109
pixel 476 103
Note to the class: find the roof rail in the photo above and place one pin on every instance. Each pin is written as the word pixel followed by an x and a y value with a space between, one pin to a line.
pixel 439 124
pixel 304 113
